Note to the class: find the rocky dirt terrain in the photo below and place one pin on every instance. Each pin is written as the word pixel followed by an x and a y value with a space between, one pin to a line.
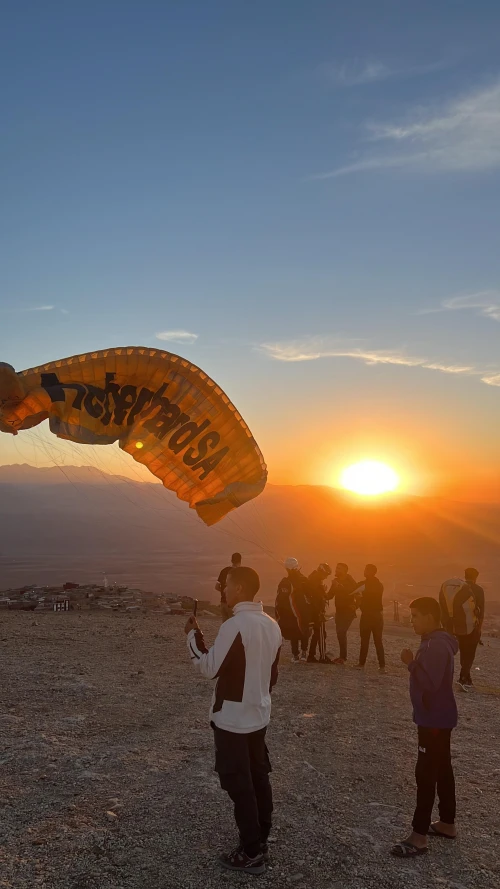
pixel 106 777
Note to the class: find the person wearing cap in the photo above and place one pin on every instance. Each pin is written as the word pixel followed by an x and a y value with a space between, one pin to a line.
pixel 220 586
pixel 318 598
pixel 292 609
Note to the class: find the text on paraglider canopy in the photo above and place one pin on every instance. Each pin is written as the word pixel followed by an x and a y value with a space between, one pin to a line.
pixel 129 405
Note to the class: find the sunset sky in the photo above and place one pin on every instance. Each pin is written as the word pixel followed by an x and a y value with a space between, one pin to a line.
pixel 302 198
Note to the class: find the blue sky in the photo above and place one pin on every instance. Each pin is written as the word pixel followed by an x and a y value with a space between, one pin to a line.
pixel 311 190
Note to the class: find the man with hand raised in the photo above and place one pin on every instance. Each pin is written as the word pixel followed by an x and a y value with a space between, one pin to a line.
pixel 244 660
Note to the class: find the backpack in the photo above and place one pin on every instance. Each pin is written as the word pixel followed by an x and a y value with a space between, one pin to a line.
pixel 282 604
pixel 458 607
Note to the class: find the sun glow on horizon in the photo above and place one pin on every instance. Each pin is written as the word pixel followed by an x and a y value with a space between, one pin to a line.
pixel 369 478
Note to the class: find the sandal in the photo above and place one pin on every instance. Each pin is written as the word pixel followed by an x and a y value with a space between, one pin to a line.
pixel 432 832
pixel 405 849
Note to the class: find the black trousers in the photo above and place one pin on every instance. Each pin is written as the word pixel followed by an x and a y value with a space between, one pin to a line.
pixel 342 624
pixel 299 642
pixel 434 771
pixel 468 645
pixel 371 625
pixel 243 766
pixel 318 638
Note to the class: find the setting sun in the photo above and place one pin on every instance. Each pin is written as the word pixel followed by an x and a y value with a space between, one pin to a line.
pixel 369 478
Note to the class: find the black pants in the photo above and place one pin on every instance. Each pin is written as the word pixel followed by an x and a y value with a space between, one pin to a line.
pixel 371 625
pixel 242 763
pixel 468 645
pixel 318 639
pixel 434 771
pixel 299 642
pixel 342 624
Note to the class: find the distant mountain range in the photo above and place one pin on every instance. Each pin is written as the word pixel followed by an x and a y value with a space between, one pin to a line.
pixel 75 523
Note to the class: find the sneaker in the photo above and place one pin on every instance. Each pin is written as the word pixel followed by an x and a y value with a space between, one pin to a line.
pixel 360 666
pixel 340 661
pixel 312 660
pixel 264 849
pixel 462 685
pixel 382 670
pixel 303 657
pixel 295 659
pixel 325 660
pixel 240 861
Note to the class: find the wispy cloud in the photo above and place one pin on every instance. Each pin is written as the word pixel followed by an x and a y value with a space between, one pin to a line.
pixel 485 303
pixel 46 309
pixel 315 348
pixel 462 135
pixel 358 72
pixel 353 73
pixel 492 380
pixel 177 336
pixel 16 310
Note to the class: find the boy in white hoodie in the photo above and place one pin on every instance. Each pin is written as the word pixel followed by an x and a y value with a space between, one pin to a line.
pixel 244 660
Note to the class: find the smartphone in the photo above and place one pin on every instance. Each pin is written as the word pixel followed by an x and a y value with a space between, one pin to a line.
pixel 195 608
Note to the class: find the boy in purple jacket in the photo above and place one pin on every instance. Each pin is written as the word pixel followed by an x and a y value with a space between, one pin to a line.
pixel 435 713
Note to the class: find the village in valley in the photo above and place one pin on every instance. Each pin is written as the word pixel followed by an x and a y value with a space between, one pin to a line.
pixel 71 596
pixel 113 597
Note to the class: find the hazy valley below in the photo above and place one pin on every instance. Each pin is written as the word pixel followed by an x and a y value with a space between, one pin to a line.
pixel 77 523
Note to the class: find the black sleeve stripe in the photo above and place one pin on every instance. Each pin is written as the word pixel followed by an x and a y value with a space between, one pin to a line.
pixel 200 642
pixel 195 655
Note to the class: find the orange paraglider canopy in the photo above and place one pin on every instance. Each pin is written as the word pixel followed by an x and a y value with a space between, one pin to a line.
pixel 163 410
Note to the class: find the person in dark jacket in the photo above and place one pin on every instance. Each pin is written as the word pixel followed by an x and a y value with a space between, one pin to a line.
pixel 435 714
pixel 342 591
pixel 318 598
pixel 292 610
pixel 220 586
pixel 372 620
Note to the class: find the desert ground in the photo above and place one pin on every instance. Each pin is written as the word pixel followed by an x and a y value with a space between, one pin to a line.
pixel 106 765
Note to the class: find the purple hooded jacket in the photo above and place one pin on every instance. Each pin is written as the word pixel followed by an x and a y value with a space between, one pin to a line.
pixel 431 681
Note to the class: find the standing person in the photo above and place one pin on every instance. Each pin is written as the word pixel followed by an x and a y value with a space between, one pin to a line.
pixel 462 607
pixel 342 588
pixel 244 660
pixel 372 619
pixel 435 714
pixel 220 586
pixel 318 597
pixel 292 611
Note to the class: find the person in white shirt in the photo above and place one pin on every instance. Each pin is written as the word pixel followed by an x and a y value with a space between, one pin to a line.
pixel 244 661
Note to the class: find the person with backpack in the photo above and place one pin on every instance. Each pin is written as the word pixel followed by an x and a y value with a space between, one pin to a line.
pixel 292 610
pixel 342 591
pixel 318 598
pixel 462 611
pixel 435 714
pixel 372 617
